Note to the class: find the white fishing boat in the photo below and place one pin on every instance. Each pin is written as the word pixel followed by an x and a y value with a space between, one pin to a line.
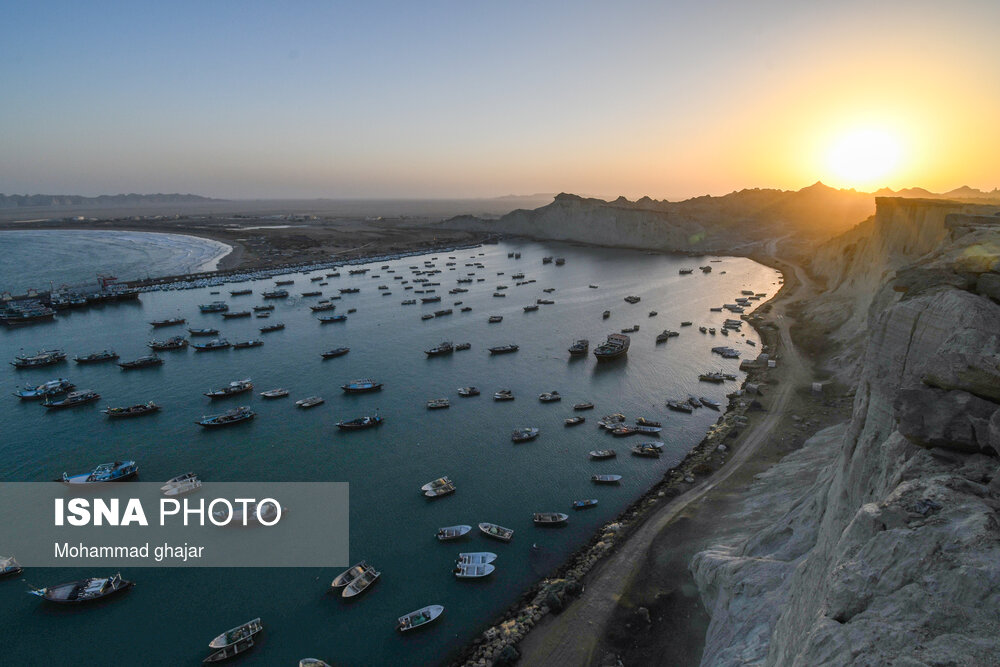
pixel 452 532
pixel 9 566
pixel 476 558
pixel 237 634
pixel 495 531
pixel 549 518
pixel 310 402
pixel 606 479
pixel 349 575
pixel 362 583
pixel 177 480
pixel 463 571
pixel 441 486
pixel 183 488
pixel 419 618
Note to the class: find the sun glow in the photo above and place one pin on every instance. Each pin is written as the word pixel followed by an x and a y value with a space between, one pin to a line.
pixel 864 158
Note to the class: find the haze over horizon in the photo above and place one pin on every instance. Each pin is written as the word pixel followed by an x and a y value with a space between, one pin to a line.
pixel 452 100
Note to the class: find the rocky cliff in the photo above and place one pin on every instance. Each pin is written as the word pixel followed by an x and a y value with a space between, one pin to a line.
pixel 892 554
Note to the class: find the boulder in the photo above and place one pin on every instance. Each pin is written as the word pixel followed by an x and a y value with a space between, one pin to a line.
pixel 989 285
pixel 955 420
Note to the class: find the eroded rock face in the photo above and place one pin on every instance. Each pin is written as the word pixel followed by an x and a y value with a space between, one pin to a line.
pixel 901 561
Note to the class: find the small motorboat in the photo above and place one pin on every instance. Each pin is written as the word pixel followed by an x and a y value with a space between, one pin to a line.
pixel 642 428
pixel 584 406
pixel 606 314
pixel 168 322
pixel 549 397
pixel 646 450
pixel 360 423
pixel 85 590
pixel 463 346
pixel 9 566
pixel 349 575
pixel 234 416
pixel 309 402
pixel 680 406
pixel 237 634
pixel 503 395
pixel 476 558
pixel 326 319
pixel 642 421
pixel 73 399
pixel 230 652
pixel 471 571
pixel 573 421
pixel 441 486
pixel 437 403
pixel 494 319
pixel 361 386
pixel 277 326
pixel 146 361
pixel 214 344
pixel 244 344
pixel 180 479
pixel 504 349
pixel 549 518
pixel 443 348
pixel 183 488
pixel 274 393
pixel 236 314
pixel 622 430
pixel 611 422
pixel 362 583
pixel 466 392
pixel 232 389
pixel 584 504
pixel 710 403
pixel 579 348
pixel 419 618
pixel 263 309
pixel 599 454
pixel 96 357
pixel 605 479
pixel 132 410
pixel 694 402
pixel 106 472
pixel 524 434
pixel 453 532
pixel 335 352
pixel 203 332
pixel 495 531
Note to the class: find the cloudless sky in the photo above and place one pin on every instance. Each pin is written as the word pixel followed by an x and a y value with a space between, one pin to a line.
pixel 478 99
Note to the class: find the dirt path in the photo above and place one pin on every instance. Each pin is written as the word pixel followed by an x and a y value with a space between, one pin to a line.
pixel 572 637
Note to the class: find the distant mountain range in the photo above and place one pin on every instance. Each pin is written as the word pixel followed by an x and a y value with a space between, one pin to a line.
pixel 25 201
pixel 964 192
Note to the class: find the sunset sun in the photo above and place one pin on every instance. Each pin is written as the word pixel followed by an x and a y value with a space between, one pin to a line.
pixel 863 158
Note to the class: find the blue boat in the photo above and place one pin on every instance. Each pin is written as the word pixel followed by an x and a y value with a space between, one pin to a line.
pixel 45 390
pixel 106 472
pixel 214 307
pixel 361 386
pixel 214 344
pixel 234 416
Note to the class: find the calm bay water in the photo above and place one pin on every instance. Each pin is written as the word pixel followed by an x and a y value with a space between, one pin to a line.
pixel 172 614
pixel 42 258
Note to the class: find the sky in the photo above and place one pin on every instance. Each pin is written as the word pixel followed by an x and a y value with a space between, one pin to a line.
pixel 429 99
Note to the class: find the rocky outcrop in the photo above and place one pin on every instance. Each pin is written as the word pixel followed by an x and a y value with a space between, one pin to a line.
pixel 892 554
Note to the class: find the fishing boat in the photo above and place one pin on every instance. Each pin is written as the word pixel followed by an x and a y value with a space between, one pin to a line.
pixel 311 294
pixel 531 308
pixel 237 634
pixel 320 307
pixel 214 307
pixel 631 329
pixel 234 416
pixel 642 428
pixel 310 402
pixel 45 390
pixel 611 422
pixel 427 316
pixel 172 343
pixel 473 571
pixel 476 558
pixel 361 386
pixel 360 584
pixel 349 575
pixel 170 483
pixel 276 294
pixel 96 357
pixel 646 450
pixel 360 423
pixel 549 518
pixel 441 486
pixel 465 309
pixel 452 532
pixel 277 326
pixel 350 290
pixel 244 344
pixel 606 314
pixel 284 282
pixel 85 590
pixel 686 324
pixel 274 393
pixel 599 454
pixel 694 402
pixel 615 347
pixel 445 347
pixel 169 322
pixel 183 488
pixel 31 312
pixel 263 309
pixel 585 503
pixel 236 315
pixel 503 395
pixel 680 406
pixel 203 332
pixel 42 358
pixel 579 348
pixel 466 392
pixel 214 344
pixel 312 662
pixel 710 403
pixel 717 378
pixel 622 430
pixel 419 618
pixel 524 434
pixel 106 472
pixel 73 399
pixel 549 397
pixel 240 292
pixel 573 421
pixel 438 403
pixel 686 272
pixel 408 302
pixel 146 361
pixel 232 389
pixel 9 566
pixel 504 349
pixel 229 652
pixel 584 406
pixel 335 352
pixel 132 410
pixel 605 479
pixel 493 319
pixel 430 299
pixel 329 319
pixel 495 531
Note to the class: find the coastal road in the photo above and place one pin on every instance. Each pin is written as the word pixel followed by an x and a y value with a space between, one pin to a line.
pixel 572 637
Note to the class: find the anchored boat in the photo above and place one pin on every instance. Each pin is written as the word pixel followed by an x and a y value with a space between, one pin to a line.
pixel 106 472
pixel 419 618
pixel 85 590
pixel 616 346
